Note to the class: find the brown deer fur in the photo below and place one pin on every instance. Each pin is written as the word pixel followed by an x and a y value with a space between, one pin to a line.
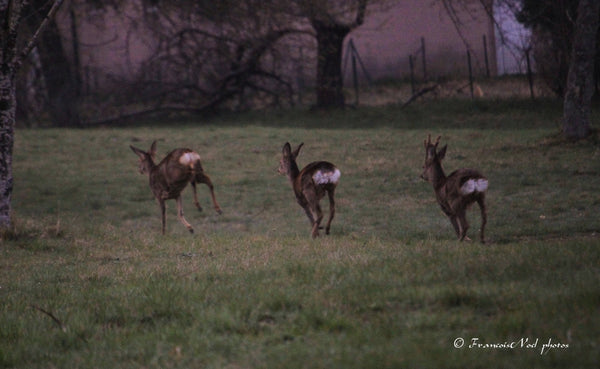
pixel 310 185
pixel 456 192
pixel 171 175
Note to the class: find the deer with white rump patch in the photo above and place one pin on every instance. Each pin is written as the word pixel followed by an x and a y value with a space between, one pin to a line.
pixel 310 185
pixel 171 175
pixel 456 192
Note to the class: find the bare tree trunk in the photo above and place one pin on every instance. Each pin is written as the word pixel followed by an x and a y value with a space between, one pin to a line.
pixel 7 120
pixel 61 82
pixel 8 53
pixel 580 81
pixel 330 83
pixel 332 25
pixel 11 59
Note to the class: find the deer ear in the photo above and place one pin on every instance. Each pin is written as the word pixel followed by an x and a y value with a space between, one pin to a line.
pixel 297 151
pixel 152 151
pixel 287 149
pixel 442 153
pixel 137 151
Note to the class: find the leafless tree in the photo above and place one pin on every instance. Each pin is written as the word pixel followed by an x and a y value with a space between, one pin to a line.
pixel 551 23
pixel 12 54
pixel 580 80
pixel 214 53
pixel 207 55
pixel 332 21
pixel 565 41
pixel 59 74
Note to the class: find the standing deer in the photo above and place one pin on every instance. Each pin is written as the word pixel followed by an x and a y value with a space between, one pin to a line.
pixel 310 185
pixel 171 175
pixel 456 192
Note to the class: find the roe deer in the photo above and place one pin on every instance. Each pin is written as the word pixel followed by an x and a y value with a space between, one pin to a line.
pixel 456 192
pixel 310 185
pixel 171 175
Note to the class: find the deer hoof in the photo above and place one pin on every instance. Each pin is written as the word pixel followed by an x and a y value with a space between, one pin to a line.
pixel 219 211
pixel 191 230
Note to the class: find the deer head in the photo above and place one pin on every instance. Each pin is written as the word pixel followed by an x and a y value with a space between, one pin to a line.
pixel 146 158
pixel 433 159
pixel 287 163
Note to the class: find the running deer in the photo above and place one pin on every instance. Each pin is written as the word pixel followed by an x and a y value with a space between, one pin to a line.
pixel 310 185
pixel 171 175
pixel 456 192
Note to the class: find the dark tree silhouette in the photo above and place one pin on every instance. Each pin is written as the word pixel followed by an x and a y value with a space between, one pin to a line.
pixel 580 80
pixel 11 58
pixel 332 21
pixel 56 69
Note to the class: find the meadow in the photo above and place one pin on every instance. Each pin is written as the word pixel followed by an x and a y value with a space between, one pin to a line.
pixel 88 281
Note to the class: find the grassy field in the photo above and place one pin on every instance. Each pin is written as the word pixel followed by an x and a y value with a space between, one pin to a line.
pixel 88 281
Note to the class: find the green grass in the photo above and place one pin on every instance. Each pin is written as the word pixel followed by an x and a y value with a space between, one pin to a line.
pixel 390 287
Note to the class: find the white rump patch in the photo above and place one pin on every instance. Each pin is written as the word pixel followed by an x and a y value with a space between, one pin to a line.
pixel 189 158
pixel 474 185
pixel 322 177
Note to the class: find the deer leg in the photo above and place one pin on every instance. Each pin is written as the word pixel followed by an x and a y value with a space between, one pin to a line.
pixel 304 204
pixel 162 205
pixel 198 206
pixel 309 215
pixel 203 178
pixel 481 203
pixel 311 205
pixel 455 224
pixel 318 219
pixel 464 225
pixel 180 215
pixel 330 194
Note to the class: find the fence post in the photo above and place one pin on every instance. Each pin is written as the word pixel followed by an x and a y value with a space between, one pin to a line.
pixel 362 65
pixel 300 76
pixel 470 73
pixel 355 78
pixel 412 73
pixel 529 73
pixel 424 58
pixel 86 81
pixel 485 55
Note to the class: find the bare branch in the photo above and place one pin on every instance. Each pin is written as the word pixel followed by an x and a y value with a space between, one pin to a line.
pixel 360 14
pixel 37 33
pixel 420 93
pixel 52 316
pixel 453 14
